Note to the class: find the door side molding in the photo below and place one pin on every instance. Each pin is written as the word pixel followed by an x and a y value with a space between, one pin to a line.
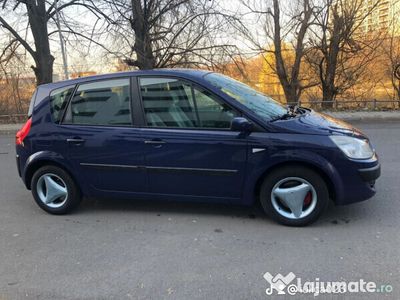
pixel 163 169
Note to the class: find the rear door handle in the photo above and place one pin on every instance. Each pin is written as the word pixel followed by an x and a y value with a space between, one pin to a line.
pixel 75 141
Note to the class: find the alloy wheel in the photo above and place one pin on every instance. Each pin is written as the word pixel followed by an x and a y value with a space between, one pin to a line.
pixel 294 198
pixel 52 190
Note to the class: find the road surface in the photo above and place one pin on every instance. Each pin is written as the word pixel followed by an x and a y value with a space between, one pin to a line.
pixel 152 250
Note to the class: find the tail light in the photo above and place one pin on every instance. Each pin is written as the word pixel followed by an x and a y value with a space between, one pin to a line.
pixel 21 135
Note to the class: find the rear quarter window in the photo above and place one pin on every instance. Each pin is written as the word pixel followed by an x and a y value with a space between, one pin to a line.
pixel 32 103
pixel 58 102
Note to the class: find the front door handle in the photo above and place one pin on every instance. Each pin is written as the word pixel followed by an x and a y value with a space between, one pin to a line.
pixel 75 141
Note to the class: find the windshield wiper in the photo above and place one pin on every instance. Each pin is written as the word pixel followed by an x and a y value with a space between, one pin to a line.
pixel 291 112
pixel 283 117
pixel 302 110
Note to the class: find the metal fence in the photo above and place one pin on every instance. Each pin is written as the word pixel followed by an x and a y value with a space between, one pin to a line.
pixel 13 118
pixel 352 104
pixel 339 105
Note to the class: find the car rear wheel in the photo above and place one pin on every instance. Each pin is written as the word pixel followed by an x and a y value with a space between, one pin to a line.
pixel 294 195
pixel 54 190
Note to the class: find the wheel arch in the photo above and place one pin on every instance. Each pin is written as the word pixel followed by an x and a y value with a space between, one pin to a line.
pixel 35 165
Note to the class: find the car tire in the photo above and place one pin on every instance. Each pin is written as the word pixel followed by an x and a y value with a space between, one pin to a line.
pixel 54 190
pixel 285 187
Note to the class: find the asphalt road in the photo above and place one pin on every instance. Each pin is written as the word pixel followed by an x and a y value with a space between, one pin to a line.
pixel 139 250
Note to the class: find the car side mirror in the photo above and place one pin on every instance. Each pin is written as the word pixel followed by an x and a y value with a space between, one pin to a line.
pixel 241 124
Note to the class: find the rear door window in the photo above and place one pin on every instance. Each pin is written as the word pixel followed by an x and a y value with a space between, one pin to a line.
pixel 167 103
pixel 105 102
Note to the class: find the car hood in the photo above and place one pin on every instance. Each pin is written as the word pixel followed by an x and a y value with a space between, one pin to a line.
pixel 317 123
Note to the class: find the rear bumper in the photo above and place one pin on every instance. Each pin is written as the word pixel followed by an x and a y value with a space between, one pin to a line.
pixel 21 158
pixel 18 165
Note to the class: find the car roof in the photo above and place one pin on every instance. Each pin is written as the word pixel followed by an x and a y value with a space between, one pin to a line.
pixel 185 73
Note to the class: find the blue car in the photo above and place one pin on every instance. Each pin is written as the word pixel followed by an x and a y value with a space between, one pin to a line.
pixel 188 135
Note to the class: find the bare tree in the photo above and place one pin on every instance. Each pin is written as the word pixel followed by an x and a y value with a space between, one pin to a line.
pixel 391 51
pixel 341 51
pixel 281 29
pixel 40 13
pixel 172 33
pixel 14 85
pixel 8 52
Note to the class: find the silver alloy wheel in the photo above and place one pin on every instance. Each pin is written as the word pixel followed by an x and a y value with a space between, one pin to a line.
pixel 52 190
pixel 289 201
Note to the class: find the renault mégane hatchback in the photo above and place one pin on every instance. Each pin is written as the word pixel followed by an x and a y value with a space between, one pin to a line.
pixel 188 135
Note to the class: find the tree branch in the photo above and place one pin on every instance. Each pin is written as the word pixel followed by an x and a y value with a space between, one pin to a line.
pixel 18 37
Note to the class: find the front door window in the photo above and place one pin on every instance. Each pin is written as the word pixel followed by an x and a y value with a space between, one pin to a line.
pixel 172 102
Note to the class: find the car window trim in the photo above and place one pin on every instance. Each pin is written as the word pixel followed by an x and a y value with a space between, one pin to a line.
pixel 192 85
pixel 195 104
pixel 68 104
pixel 100 125
pixel 137 105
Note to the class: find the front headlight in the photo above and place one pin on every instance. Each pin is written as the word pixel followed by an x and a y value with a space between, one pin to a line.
pixel 353 147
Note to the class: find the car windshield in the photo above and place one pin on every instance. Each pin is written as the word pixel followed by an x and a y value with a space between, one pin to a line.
pixel 257 102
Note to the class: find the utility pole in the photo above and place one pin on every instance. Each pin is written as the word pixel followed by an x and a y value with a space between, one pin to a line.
pixel 64 55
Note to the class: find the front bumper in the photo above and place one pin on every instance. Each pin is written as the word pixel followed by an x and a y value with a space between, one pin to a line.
pixel 370 174
pixel 357 181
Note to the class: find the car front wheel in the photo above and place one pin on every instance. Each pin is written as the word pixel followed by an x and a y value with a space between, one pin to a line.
pixel 294 195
